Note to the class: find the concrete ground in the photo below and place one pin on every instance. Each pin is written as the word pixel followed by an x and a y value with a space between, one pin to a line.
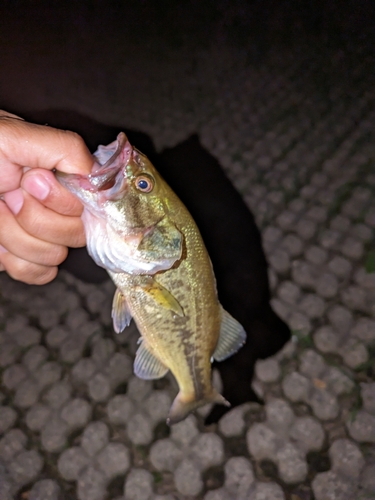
pixel 293 126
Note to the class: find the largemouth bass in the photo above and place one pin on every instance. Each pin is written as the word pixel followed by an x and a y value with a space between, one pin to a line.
pixel 142 234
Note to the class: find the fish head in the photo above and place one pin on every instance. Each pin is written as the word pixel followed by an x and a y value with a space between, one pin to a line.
pixel 126 208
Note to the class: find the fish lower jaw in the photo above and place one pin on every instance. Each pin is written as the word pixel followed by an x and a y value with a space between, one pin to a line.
pixel 182 406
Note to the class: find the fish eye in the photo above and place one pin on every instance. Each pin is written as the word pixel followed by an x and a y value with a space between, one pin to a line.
pixel 144 183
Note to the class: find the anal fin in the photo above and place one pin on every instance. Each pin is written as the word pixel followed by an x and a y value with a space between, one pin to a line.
pixel 232 337
pixel 146 365
pixel 120 312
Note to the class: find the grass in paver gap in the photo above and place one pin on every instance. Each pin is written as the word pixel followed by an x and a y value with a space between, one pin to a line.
pixel 140 453
pixel 370 262
pixel 368 451
pixel 358 403
pixel 304 340
pixel 360 219
pixel 367 370
pixel 342 195
pixel 158 477
pixel 366 495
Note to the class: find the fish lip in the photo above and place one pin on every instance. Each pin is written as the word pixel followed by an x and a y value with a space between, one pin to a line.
pixel 101 174
pixel 74 181
pixel 120 149
pixel 121 141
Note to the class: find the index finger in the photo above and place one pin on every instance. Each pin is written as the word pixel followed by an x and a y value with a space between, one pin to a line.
pixel 30 145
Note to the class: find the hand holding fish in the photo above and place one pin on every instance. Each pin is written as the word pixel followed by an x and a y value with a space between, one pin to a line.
pixel 39 218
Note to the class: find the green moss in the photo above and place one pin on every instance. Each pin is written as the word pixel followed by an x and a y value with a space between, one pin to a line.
pixel 304 341
pixel 158 477
pixel 370 262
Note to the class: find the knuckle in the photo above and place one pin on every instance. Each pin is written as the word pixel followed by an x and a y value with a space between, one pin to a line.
pixel 57 255
pixel 18 270
pixel 45 276
pixel 76 143
pixel 79 242
pixel 76 157
pixel 71 206
pixel 31 221
pixel 75 137
pixel 30 273
pixel 77 236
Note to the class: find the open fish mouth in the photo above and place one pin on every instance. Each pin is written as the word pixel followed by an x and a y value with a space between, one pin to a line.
pixel 103 175
pixel 108 175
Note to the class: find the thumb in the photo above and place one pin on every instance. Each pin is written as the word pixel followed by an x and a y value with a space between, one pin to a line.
pixel 29 145
pixel 43 186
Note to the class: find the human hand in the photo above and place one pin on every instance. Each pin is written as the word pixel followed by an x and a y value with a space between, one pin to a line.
pixel 39 218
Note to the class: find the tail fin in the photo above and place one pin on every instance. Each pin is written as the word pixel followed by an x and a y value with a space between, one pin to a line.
pixel 181 406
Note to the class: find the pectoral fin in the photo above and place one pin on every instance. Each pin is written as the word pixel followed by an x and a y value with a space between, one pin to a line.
pixel 147 366
pixel 120 312
pixel 161 296
pixel 232 337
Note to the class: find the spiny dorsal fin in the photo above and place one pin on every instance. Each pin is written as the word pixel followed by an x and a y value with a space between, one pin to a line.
pixel 147 366
pixel 232 337
pixel 120 312
pixel 161 296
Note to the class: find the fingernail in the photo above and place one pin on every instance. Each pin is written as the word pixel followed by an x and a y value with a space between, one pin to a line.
pixel 37 186
pixel 14 200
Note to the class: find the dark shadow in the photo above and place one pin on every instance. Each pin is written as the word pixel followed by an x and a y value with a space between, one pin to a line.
pixel 230 234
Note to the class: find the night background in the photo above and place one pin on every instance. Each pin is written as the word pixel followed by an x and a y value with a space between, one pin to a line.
pixel 280 96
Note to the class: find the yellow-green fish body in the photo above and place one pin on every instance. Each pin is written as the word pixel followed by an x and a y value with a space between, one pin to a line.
pixel 140 231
